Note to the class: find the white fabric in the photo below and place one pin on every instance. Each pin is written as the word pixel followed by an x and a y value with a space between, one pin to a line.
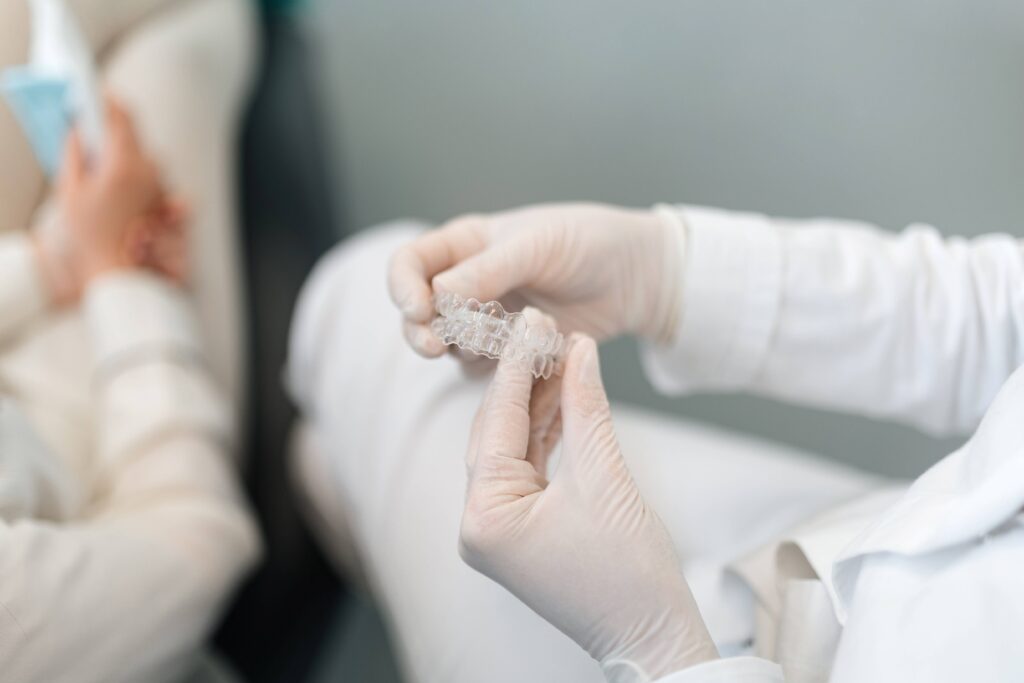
pixel 399 478
pixel 808 632
pixel 732 670
pixel 161 538
pixel 908 327
pixel 31 482
pixel 22 296
pixel 157 317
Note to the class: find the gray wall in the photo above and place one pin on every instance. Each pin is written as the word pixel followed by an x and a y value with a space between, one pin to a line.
pixel 889 112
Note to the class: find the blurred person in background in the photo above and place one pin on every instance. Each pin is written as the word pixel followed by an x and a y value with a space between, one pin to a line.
pixel 122 528
pixel 659 546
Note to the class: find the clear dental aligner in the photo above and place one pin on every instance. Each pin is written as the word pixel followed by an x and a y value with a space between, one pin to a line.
pixel 487 330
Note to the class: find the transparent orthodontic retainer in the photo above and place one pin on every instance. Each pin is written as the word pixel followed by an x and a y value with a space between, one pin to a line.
pixel 487 330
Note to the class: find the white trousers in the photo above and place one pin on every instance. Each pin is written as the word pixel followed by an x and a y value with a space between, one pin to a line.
pixel 384 464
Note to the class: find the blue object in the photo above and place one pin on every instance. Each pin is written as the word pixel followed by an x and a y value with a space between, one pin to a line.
pixel 40 104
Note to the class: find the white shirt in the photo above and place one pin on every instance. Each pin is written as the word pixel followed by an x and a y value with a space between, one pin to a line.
pixel 122 531
pixel 914 584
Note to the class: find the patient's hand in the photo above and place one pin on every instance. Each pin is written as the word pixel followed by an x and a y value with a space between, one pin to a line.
pixel 114 215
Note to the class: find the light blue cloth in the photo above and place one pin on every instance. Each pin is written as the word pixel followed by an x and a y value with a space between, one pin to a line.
pixel 40 104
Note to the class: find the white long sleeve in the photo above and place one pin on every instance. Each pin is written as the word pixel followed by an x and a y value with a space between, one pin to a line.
pixel 22 297
pixel 841 315
pixel 130 591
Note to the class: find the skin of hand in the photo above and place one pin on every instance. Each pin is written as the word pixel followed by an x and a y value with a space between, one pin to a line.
pixel 598 269
pixel 582 549
pixel 113 214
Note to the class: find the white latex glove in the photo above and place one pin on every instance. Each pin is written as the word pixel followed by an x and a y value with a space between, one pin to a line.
pixel 583 550
pixel 597 269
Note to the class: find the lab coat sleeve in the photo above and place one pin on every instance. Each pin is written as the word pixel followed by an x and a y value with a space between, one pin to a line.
pixel 130 592
pixel 730 670
pixel 840 315
pixel 22 294
pixel 930 590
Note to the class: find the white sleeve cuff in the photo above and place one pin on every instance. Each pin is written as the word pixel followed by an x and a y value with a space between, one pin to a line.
pixel 730 670
pixel 732 279
pixel 22 295
pixel 134 315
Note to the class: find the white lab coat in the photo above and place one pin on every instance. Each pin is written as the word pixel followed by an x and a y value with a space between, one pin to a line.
pixel 122 529
pixel 914 584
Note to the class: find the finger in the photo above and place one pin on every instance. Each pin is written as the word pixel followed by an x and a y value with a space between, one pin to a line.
pixel 138 239
pixel 170 217
pixel 545 422
pixel 413 266
pixel 114 145
pixel 116 120
pixel 476 429
pixel 74 168
pixel 586 414
pixel 504 428
pixel 493 273
pixel 422 340
pixel 176 268
pixel 543 404
pixel 170 253
pixel 121 127
pixel 545 401
pixel 176 210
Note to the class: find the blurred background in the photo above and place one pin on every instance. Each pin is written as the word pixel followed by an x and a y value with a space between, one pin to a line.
pixel 369 111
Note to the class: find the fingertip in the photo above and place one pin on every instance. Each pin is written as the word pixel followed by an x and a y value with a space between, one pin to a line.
pixel 115 112
pixel 510 369
pixel 423 341
pixel 582 365
pixel 577 343
pixel 176 208
pixel 538 318
pixel 454 280
pixel 415 301
pixel 74 161
pixel 586 345
pixel 442 283
pixel 121 125
pixel 429 345
pixel 511 388
pixel 109 103
pixel 408 289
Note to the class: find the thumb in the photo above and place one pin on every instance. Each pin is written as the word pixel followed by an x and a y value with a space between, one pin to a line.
pixel 588 432
pixel 492 273
pixel 74 166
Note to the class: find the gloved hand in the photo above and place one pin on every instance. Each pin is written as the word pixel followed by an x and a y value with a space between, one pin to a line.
pixel 583 550
pixel 598 269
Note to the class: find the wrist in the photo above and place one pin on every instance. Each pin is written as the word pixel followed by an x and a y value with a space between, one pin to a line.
pixel 55 273
pixel 96 266
pixel 660 280
pixel 660 653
